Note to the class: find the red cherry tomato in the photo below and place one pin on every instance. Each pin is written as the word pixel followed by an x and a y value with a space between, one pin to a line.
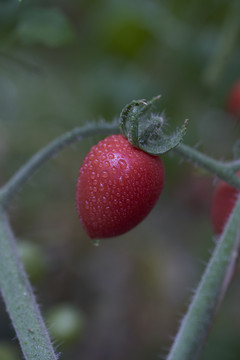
pixel 223 202
pixel 233 102
pixel 117 187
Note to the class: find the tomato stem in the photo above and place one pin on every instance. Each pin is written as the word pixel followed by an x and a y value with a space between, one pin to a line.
pixel 195 325
pixel 51 150
pixel 224 170
pixel 20 300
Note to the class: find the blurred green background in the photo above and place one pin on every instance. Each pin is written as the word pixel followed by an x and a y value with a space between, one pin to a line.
pixel 66 62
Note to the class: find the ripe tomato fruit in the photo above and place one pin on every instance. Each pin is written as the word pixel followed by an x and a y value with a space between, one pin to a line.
pixel 233 102
pixel 117 187
pixel 223 201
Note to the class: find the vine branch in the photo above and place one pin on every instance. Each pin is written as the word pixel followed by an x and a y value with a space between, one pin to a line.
pixel 224 170
pixel 52 149
pixel 20 300
pixel 195 325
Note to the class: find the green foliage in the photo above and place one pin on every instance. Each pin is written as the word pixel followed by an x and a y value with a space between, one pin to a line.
pixel 8 351
pixel 66 323
pixel 46 26
pixel 33 259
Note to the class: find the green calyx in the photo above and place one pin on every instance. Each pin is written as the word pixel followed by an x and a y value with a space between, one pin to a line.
pixel 147 130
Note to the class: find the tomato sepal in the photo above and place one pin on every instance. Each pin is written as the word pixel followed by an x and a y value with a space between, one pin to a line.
pixel 147 130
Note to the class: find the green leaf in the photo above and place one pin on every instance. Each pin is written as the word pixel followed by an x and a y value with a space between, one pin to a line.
pixel 46 26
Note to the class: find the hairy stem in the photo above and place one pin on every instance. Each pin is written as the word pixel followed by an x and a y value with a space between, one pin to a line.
pixel 46 153
pixel 218 168
pixel 7 192
pixel 19 299
pixel 195 325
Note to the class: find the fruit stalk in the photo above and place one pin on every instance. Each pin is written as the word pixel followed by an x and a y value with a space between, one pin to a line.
pixel 195 325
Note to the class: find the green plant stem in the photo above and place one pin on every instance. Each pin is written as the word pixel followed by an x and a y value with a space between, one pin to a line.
pixel 19 299
pixel 222 170
pixel 7 192
pixel 195 325
pixel 52 149
pixel 234 165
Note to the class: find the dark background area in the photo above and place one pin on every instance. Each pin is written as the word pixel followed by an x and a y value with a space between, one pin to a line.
pixel 64 63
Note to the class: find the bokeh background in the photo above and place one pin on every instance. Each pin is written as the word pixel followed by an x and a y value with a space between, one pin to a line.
pixel 64 63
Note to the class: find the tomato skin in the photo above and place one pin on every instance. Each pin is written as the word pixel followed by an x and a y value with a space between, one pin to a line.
pixel 223 201
pixel 233 102
pixel 117 187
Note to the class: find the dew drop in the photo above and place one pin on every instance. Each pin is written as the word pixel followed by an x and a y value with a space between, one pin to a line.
pixel 95 161
pixel 123 163
pixel 96 242
pixel 93 175
pixel 94 189
pixel 111 156
pixel 121 182
pixel 104 174
pixel 86 205
pixel 107 164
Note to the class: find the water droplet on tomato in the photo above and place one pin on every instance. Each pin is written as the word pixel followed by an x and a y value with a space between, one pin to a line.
pixel 104 174
pixel 123 164
pixel 96 242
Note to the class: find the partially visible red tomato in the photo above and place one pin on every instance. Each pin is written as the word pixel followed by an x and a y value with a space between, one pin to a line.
pixel 223 202
pixel 233 102
pixel 117 187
